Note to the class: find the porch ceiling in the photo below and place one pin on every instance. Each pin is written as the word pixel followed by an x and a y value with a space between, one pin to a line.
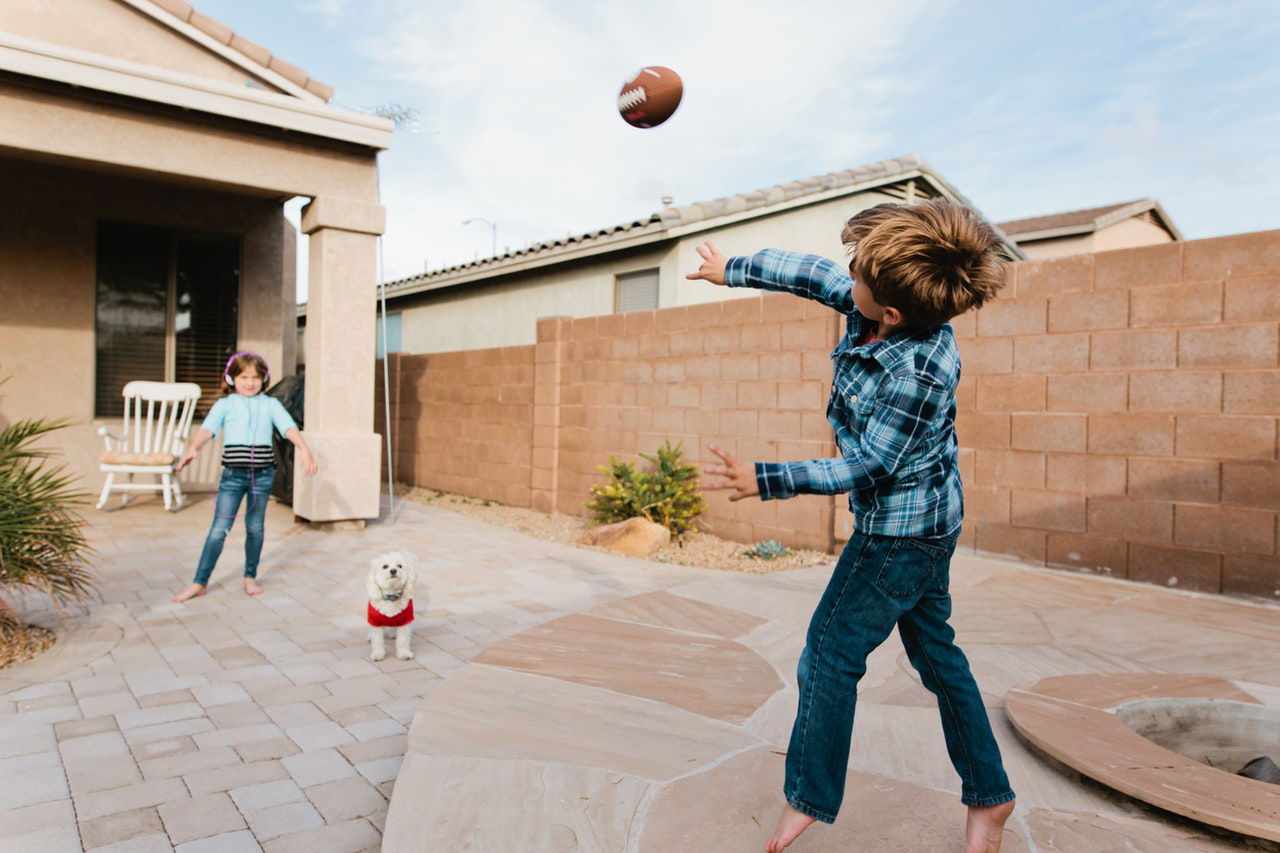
pixel 100 112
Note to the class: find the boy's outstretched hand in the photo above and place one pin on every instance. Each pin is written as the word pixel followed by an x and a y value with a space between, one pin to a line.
pixel 713 264
pixel 742 476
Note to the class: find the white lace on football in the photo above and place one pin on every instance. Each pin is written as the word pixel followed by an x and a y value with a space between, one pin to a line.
pixel 631 97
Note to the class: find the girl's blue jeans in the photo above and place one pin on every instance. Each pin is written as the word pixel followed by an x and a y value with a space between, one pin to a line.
pixel 237 484
pixel 879 582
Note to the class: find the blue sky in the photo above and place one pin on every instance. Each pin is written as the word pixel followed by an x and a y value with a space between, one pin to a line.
pixel 1028 108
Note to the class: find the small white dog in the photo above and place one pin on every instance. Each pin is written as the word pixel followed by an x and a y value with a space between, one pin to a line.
pixel 390 584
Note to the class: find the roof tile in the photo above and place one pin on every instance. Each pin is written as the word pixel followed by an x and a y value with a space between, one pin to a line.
pixel 216 29
pixel 1060 220
pixel 254 51
pixel 220 32
pixel 179 8
pixel 292 73
pixel 315 87
pixel 670 216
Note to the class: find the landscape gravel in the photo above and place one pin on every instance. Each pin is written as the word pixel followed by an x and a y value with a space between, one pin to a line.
pixel 698 549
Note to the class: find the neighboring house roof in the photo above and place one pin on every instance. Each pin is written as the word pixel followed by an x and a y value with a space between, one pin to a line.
pixel 223 34
pixel 1075 222
pixel 901 177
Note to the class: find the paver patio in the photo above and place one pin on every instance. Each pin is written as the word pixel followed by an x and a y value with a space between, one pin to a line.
pixel 561 699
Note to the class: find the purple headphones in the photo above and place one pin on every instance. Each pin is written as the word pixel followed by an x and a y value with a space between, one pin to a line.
pixel 226 371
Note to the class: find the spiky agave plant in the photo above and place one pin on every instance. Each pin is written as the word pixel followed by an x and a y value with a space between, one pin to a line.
pixel 42 547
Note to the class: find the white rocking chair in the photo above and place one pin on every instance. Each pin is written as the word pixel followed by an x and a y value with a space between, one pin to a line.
pixel 157 424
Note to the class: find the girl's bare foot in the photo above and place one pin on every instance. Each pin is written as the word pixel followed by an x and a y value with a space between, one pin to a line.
pixel 790 824
pixel 251 587
pixel 190 592
pixel 984 828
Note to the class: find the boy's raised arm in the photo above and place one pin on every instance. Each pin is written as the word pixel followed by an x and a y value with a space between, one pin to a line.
pixel 810 276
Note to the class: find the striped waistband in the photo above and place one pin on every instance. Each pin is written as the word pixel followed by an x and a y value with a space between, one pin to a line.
pixel 248 456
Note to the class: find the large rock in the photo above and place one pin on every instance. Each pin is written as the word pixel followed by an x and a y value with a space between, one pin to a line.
pixel 637 536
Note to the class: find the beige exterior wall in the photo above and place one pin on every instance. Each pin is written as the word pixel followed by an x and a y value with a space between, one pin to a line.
pixel 504 312
pixel 114 28
pixel 1129 234
pixel 48 221
pixel 147 118
pixel 1058 247
pixel 217 153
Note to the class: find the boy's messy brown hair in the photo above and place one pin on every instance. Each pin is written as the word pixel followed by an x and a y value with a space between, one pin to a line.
pixel 932 261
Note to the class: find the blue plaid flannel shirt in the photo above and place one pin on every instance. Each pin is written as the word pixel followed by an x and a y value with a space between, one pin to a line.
pixel 892 407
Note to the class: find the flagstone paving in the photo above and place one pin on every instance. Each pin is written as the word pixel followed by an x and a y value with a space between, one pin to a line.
pixel 560 699
pixel 238 723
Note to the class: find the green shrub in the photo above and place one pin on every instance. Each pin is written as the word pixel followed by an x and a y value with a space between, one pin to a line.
pixel 41 544
pixel 668 495
pixel 769 549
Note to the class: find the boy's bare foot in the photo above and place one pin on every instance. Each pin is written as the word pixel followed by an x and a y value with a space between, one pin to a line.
pixel 984 828
pixel 251 587
pixel 790 824
pixel 190 592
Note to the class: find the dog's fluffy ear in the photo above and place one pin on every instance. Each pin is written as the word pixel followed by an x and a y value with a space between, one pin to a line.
pixel 410 578
pixel 370 584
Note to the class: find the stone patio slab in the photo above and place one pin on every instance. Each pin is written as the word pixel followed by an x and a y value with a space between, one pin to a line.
pixel 663 610
pixel 546 719
pixel 734 806
pixel 707 675
pixel 484 804
pixel 689 671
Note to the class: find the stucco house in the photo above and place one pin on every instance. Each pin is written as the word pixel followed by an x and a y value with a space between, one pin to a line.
pixel 146 153
pixel 638 265
pixel 1096 229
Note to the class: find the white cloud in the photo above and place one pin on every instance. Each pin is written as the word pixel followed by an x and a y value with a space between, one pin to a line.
pixel 330 11
pixel 524 98
pixel 1028 109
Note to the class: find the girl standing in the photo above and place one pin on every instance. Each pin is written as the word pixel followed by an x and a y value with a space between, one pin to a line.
pixel 246 416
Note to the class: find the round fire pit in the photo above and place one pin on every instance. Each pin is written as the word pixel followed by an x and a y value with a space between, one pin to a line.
pixel 1217 732
pixel 1175 741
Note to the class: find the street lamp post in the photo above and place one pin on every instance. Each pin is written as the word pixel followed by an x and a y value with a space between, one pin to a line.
pixel 492 228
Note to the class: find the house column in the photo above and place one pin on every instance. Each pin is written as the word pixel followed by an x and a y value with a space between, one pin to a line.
pixel 340 370
pixel 548 361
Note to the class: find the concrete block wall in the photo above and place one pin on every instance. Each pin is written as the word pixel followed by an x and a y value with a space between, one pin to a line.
pixel 1119 414
pixel 464 421
pixel 749 375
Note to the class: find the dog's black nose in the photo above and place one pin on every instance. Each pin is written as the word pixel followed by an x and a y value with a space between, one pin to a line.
pixel 393 573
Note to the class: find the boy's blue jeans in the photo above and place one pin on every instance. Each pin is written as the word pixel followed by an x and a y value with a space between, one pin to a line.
pixel 879 582
pixel 237 483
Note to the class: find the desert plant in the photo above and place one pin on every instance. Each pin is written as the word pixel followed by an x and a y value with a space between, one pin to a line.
pixel 668 495
pixel 42 547
pixel 769 549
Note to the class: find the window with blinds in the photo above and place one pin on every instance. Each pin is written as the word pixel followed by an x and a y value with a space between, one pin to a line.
pixel 166 310
pixel 637 291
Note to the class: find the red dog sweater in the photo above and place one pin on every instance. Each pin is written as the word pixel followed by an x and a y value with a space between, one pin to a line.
pixel 377 620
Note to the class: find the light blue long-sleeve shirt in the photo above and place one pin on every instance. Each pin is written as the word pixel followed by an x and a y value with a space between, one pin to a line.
pixel 247 421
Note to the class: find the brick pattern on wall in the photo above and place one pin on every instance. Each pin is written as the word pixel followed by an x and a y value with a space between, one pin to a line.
pixel 1119 414
pixel 464 422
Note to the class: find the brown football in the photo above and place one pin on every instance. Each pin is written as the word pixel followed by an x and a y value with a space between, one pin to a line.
pixel 650 97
